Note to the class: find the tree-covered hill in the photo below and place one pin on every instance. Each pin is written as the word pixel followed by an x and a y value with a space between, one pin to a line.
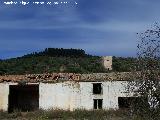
pixel 59 52
pixel 124 64
pixel 61 60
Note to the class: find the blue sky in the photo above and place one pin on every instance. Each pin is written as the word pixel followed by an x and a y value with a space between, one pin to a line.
pixel 100 27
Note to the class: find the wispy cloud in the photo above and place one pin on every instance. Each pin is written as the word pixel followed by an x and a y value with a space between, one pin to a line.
pixel 101 27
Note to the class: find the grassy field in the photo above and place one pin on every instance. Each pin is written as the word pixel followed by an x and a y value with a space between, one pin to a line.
pixel 67 115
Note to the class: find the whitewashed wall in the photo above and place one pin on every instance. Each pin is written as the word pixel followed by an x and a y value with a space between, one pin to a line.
pixel 58 95
pixel 111 92
pixel 4 92
pixel 72 95
pixel 4 95
pixel 79 95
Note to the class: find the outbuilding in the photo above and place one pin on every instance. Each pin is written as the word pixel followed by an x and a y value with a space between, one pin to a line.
pixel 65 91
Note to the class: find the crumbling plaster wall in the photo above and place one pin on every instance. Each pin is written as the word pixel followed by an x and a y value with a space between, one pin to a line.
pixel 79 95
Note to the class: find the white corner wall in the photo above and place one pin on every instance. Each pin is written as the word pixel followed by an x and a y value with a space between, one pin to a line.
pixel 4 92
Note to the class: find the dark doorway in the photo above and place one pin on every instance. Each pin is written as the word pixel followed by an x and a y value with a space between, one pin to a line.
pixel 23 97
pixel 97 88
pixel 98 103
pixel 126 102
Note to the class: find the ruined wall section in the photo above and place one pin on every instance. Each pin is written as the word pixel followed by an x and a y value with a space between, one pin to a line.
pixel 107 62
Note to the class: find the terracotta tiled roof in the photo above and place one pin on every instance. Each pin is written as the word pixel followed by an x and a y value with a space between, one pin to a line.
pixel 54 77
pixel 39 77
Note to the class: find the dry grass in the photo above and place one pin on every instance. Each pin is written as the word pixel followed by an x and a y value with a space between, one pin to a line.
pixel 67 115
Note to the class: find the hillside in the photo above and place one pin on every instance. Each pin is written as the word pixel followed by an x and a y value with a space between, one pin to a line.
pixel 61 60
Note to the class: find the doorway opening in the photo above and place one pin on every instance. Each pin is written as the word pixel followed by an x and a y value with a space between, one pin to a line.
pixel 126 102
pixel 23 98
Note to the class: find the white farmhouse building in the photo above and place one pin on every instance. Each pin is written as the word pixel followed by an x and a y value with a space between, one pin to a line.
pixel 63 91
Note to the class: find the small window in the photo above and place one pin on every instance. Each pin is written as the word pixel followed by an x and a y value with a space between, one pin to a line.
pixel 97 88
pixel 98 103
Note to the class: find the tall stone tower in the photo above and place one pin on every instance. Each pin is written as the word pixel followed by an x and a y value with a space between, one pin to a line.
pixel 107 62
